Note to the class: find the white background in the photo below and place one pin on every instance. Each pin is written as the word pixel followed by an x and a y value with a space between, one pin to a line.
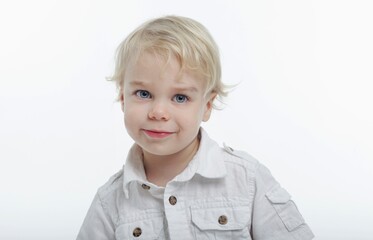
pixel 303 105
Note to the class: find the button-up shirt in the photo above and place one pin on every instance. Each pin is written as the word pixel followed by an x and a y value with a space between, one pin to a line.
pixel 221 194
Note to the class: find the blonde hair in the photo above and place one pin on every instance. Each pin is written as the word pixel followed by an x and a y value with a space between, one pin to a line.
pixel 186 39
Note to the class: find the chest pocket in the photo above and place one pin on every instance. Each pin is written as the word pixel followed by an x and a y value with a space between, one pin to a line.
pixel 221 221
pixel 149 229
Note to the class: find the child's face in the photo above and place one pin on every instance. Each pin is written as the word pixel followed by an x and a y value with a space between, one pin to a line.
pixel 163 109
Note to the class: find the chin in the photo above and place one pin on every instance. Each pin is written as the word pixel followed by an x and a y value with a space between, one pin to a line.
pixel 158 152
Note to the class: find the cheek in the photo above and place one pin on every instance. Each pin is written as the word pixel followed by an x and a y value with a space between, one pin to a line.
pixel 134 113
pixel 131 119
pixel 193 117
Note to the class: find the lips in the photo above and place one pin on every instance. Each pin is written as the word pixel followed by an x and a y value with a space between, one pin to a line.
pixel 157 133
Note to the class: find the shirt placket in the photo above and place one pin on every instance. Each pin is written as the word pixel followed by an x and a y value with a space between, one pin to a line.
pixel 176 212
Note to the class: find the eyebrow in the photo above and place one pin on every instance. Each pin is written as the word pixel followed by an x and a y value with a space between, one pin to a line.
pixel 186 89
pixel 137 83
pixel 179 88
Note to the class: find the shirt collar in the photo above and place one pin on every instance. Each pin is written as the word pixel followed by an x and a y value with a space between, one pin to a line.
pixel 133 169
pixel 207 162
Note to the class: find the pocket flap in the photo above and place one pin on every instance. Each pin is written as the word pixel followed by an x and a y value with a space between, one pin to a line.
pixel 278 195
pixel 140 230
pixel 285 208
pixel 221 218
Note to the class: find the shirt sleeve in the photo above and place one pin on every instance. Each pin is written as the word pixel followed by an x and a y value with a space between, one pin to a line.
pixel 97 225
pixel 275 215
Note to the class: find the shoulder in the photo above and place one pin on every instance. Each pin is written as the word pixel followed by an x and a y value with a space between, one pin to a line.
pixel 114 184
pixel 241 165
pixel 241 158
pixel 255 170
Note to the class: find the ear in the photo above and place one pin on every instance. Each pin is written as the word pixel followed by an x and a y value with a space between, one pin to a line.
pixel 209 105
pixel 121 99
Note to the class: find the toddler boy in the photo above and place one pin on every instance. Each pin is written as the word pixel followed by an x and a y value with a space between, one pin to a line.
pixel 177 183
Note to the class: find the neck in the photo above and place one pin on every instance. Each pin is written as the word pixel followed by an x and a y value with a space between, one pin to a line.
pixel 162 169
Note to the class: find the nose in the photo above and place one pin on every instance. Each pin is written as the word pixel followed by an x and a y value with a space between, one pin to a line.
pixel 159 111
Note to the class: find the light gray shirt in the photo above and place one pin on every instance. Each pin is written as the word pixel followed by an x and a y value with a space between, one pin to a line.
pixel 222 194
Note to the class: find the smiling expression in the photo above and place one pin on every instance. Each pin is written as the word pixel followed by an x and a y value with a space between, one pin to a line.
pixel 163 107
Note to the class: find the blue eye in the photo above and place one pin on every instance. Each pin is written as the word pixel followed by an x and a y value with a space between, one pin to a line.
pixel 142 94
pixel 180 98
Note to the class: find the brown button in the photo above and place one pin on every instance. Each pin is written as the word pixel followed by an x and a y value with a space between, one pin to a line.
pixel 172 200
pixel 144 186
pixel 223 220
pixel 137 232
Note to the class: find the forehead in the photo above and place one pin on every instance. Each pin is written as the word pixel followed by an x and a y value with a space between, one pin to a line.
pixel 152 66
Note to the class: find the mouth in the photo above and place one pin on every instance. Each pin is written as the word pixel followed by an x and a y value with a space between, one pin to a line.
pixel 157 133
